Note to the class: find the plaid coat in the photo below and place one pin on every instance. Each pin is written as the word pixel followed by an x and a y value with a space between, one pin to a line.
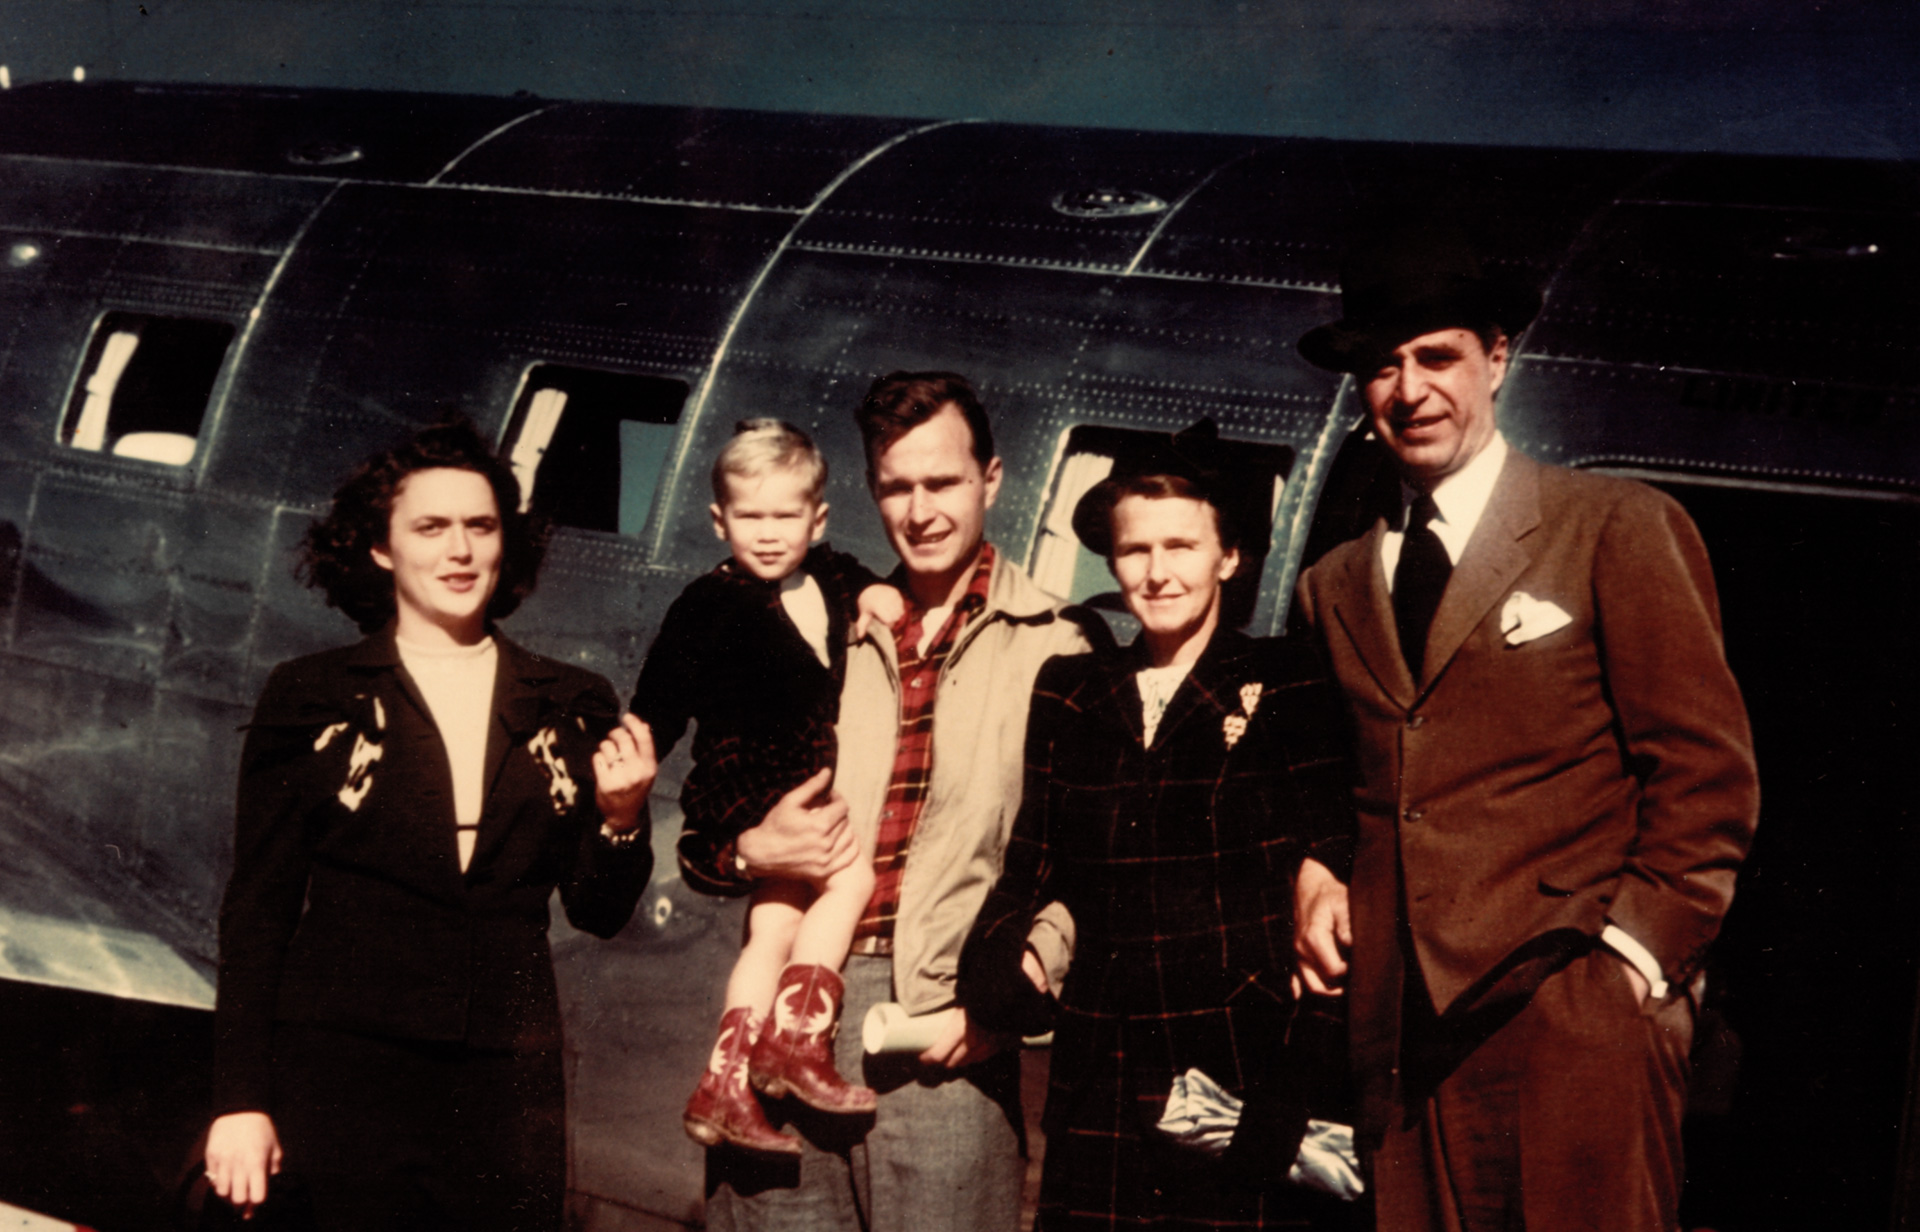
pixel 1176 862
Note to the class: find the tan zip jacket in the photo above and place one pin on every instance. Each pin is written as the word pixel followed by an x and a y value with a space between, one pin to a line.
pixel 979 750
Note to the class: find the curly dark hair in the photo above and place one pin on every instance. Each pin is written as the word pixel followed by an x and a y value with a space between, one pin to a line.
pixel 336 556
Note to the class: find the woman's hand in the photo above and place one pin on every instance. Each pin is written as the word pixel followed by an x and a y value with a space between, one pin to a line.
pixel 623 771
pixel 242 1152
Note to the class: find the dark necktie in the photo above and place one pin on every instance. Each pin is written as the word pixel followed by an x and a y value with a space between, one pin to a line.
pixel 1418 582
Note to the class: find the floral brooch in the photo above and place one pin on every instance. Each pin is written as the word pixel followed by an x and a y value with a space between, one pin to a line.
pixel 1234 725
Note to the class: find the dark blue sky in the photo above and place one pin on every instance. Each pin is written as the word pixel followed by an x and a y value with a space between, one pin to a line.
pixel 1737 75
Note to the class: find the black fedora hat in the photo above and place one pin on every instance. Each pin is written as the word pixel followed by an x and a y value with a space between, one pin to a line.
pixel 1411 281
pixel 1194 454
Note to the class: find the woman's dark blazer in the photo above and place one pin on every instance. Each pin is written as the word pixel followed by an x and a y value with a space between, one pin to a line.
pixel 1177 863
pixel 347 907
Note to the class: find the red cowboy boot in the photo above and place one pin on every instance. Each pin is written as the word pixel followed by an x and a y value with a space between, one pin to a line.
pixel 795 1054
pixel 723 1107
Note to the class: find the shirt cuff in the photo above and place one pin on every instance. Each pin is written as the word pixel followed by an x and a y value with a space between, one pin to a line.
pixel 1053 947
pixel 1622 942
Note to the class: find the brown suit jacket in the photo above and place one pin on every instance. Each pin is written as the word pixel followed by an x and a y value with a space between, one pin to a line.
pixel 1526 794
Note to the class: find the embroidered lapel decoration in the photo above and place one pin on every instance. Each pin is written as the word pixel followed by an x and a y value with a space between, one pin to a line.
pixel 1235 726
pixel 561 788
pixel 1250 697
pixel 360 761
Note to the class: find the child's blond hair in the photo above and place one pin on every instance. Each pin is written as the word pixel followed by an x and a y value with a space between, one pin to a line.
pixel 761 445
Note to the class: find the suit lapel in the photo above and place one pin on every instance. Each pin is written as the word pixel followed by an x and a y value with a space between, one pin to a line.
pixel 1111 697
pixel 516 717
pixel 1209 693
pixel 379 652
pixel 1365 610
pixel 1187 701
pixel 1495 556
pixel 1214 683
pixel 429 833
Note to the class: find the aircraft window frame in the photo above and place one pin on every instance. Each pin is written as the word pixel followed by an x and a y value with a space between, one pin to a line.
pixel 144 380
pixel 633 419
pixel 1057 551
pixel 1060 564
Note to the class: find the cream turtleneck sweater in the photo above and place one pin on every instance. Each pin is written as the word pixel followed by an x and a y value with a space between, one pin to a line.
pixel 457 683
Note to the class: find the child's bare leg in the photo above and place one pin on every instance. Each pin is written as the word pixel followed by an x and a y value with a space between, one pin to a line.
pixel 826 931
pixel 795 1056
pixel 723 1107
pixel 774 915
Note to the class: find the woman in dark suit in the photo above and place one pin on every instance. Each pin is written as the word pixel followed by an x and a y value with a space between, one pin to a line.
pixel 1171 789
pixel 387 1017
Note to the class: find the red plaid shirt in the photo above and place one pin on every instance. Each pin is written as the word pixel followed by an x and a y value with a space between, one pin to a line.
pixel 913 758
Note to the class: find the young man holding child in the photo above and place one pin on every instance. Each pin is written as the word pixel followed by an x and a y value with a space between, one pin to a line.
pixel 931 737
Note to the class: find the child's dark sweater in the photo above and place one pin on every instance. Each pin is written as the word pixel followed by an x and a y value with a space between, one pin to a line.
pixel 730 658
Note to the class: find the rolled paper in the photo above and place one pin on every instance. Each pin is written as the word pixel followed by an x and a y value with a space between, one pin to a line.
pixel 889 1028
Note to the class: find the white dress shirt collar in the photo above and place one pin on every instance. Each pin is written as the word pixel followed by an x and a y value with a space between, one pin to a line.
pixel 1461 498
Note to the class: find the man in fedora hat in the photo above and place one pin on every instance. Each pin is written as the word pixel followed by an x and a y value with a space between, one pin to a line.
pixel 1557 785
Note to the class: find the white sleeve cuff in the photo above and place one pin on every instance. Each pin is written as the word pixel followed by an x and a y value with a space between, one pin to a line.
pixel 1051 939
pixel 1622 942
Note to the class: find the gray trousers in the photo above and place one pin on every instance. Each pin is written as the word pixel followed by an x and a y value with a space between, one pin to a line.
pixel 944 1153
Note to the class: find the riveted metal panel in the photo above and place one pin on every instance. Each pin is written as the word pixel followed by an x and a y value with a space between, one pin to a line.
pixel 759 160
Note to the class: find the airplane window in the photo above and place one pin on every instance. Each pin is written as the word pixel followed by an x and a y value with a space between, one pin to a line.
pixel 1062 566
pixel 144 387
pixel 588 446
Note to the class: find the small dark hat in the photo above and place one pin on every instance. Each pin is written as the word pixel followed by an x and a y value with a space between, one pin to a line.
pixel 1409 282
pixel 1194 454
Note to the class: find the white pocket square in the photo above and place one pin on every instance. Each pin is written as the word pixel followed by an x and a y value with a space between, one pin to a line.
pixel 1525 618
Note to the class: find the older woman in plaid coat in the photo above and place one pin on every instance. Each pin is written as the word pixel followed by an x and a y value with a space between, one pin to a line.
pixel 1172 836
